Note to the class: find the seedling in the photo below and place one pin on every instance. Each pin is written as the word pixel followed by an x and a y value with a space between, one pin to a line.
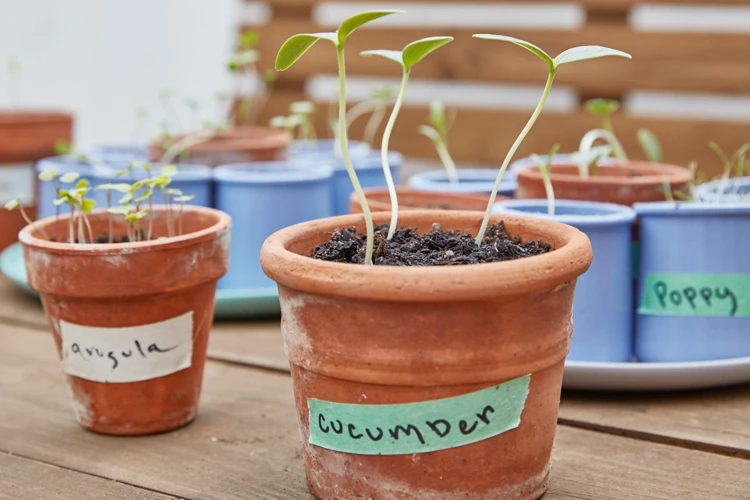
pixel 293 49
pixel 248 99
pixel 303 110
pixel 553 64
pixel 406 58
pixel 376 106
pixel 544 169
pixel 17 204
pixel 438 131
pixel 736 164
pixel 588 156
pixel 650 145
pixel 603 109
pixel 108 188
pixel 289 123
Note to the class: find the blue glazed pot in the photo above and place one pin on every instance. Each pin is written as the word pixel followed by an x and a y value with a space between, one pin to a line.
pixel 602 310
pixel 469 181
pixel 263 198
pixel 191 179
pixel 63 165
pixel 119 153
pixel 735 190
pixel 691 239
pixel 324 148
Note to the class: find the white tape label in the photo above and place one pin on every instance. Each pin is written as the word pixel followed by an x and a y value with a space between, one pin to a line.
pixel 17 179
pixel 127 354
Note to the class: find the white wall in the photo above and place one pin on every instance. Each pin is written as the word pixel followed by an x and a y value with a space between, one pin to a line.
pixel 105 58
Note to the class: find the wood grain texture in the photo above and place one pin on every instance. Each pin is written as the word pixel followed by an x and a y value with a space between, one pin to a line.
pixel 590 4
pixel 18 308
pixel 244 442
pixel 23 479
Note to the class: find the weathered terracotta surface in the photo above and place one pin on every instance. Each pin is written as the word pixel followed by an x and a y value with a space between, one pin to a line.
pixel 25 137
pixel 132 284
pixel 357 334
pixel 409 199
pixel 624 184
pixel 237 145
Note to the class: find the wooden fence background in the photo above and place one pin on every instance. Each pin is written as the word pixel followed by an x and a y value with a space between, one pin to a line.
pixel 695 62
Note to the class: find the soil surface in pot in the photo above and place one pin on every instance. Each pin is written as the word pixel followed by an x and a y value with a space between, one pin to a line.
pixel 436 248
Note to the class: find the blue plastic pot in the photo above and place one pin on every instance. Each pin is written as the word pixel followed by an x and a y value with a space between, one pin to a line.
pixel 735 190
pixel 690 240
pixel 119 153
pixel 324 148
pixel 191 179
pixel 262 198
pixel 602 310
pixel 469 181
pixel 63 165
pixel 369 170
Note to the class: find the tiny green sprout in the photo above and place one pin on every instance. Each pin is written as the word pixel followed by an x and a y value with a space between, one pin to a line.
pixel 544 169
pixel 587 145
pixel 248 39
pixel 303 110
pixel 48 175
pixel 243 59
pixel 736 163
pixel 169 170
pixel 12 204
pixel 69 177
pixel 294 48
pixel 650 145
pixel 406 58
pixel 182 200
pixel 575 54
pixel 666 189
pixel 63 147
pixel 376 106
pixel 16 204
pixel 438 131
pixel 603 109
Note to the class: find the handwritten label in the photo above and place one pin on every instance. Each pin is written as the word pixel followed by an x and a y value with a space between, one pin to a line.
pixel 396 429
pixel 696 295
pixel 17 179
pixel 127 354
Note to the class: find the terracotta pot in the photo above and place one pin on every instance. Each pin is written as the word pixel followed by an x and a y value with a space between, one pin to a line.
pixel 410 199
pixel 624 184
pixel 374 336
pixel 131 320
pixel 237 145
pixel 25 137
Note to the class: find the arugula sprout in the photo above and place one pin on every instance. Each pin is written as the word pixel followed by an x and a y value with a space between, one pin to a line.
pixel 544 169
pixel 437 131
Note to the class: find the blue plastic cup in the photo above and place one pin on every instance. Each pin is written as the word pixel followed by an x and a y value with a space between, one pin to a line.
pixel 470 180
pixel 324 148
pixel 602 308
pixel 735 190
pixel 262 198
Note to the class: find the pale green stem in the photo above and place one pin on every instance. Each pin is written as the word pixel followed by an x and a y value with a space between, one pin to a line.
pixel 607 125
pixel 71 225
pixel 447 161
pixel 511 153
pixel 588 140
pixel 31 222
pixel 548 189
pixel 185 144
pixel 667 188
pixel 373 124
pixel 343 141
pixel 384 153
pixel 360 109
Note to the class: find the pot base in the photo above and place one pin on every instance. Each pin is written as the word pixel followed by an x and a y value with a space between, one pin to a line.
pixel 177 421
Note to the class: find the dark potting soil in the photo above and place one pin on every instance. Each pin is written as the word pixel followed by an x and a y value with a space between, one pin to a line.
pixel 436 248
pixel 103 238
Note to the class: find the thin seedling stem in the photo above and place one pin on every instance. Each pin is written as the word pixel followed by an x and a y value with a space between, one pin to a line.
pixel 384 153
pixel 30 222
pixel 447 161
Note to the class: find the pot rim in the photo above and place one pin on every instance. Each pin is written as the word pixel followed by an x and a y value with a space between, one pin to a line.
pixel 271 172
pixel 477 175
pixel 654 173
pixel 233 140
pixel 27 238
pixel 34 116
pixel 691 208
pixel 191 172
pixel 427 283
pixel 603 214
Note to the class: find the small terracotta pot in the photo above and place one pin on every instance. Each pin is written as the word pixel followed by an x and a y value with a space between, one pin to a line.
pixel 237 145
pixel 624 184
pixel 131 320
pixel 382 335
pixel 409 199
pixel 25 137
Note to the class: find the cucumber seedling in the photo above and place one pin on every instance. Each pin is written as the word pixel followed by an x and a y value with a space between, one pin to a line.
pixel 575 54
pixel 438 129
pixel 406 58
pixel 544 169
pixel 294 48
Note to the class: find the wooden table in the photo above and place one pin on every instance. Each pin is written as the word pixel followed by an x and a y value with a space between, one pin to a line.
pixel 244 443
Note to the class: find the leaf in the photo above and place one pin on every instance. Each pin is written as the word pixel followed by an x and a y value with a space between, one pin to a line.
pixel 393 55
pixel 121 187
pixel 348 26
pixel 63 147
pixel 278 121
pixel 242 59
pixel 248 39
pixel 301 107
pixel 126 198
pixel 47 175
pixel 12 204
pixel 184 199
pixel 174 192
pixel 82 183
pixel 419 49
pixel 88 206
pixel 587 52
pixel 602 108
pixel 526 45
pixel 297 45
pixel 121 173
pixel 169 170
pixel 69 177
pixel 121 210
pixel 650 145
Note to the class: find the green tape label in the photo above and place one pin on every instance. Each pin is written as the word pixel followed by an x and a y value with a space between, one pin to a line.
pixel 696 295
pixel 396 429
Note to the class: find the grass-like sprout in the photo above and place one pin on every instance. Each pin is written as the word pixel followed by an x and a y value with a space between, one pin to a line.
pixel 650 145
pixel 588 156
pixel 736 163
pixel 553 64
pixel 544 169
pixel 304 110
pixel 293 49
pixel 17 204
pixel 376 106
pixel 406 58
pixel 183 145
pixel 438 130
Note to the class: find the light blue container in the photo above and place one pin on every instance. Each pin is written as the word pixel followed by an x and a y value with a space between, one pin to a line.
pixel 470 180
pixel 735 190
pixel 262 198
pixel 369 170
pixel 692 238
pixel 324 148
pixel 47 190
pixel 602 310
pixel 192 180
pixel 119 153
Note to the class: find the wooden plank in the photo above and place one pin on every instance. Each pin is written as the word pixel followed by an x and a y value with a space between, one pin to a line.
pixel 591 4
pixel 257 344
pixel 244 443
pixel 661 61
pixel 484 136
pixel 23 479
pixel 19 308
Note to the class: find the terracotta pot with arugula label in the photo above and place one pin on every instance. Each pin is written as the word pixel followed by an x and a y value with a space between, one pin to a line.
pixel 131 319
pixel 25 137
